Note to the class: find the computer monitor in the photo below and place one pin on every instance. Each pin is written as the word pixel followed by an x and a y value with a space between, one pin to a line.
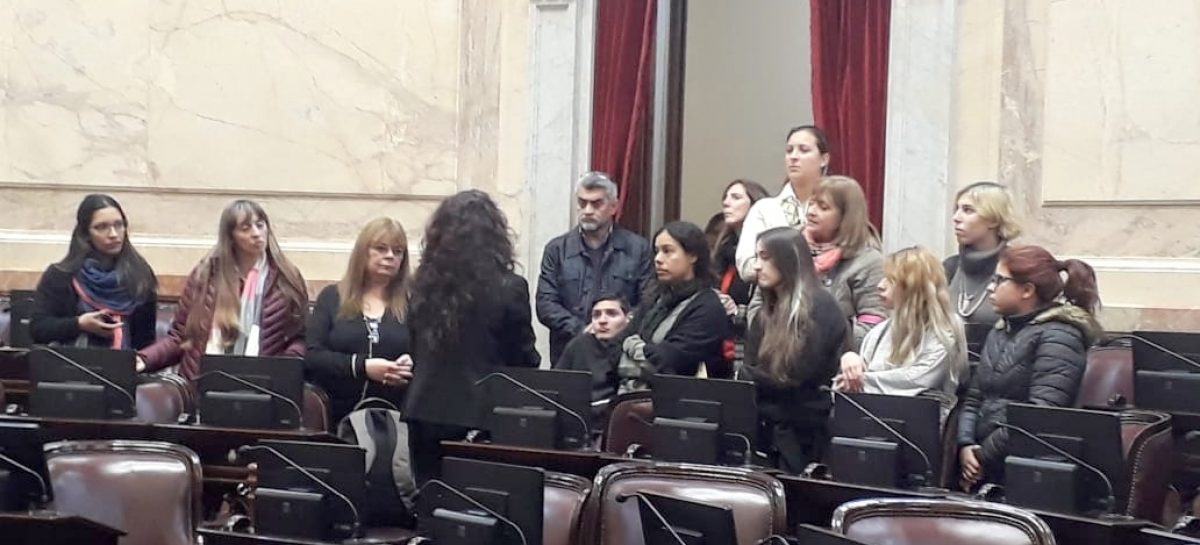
pixel 20 312
pixel 85 383
pixel 1040 478
pixel 864 452
pixel 807 534
pixel 1152 351
pixel 465 507
pixel 271 399
pixel 342 467
pixel 668 520
pixel 24 480
pixel 703 420
pixel 516 416
pixel 1166 371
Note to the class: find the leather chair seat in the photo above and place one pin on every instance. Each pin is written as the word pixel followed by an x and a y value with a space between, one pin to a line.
pixel 939 522
pixel 1107 379
pixel 630 424
pixel 563 501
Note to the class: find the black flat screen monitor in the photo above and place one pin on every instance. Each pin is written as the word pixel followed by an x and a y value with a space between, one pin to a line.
pixel 513 492
pixel 60 389
pixel 1149 353
pixel 24 479
pixel 1166 371
pixel 807 534
pixel 864 452
pixel 1039 478
pixel 516 416
pixel 227 403
pixel 667 520
pixel 342 467
pixel 703 420
pixel 20 311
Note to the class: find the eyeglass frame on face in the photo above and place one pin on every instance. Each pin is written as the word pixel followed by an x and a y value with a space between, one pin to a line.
pixel 998 279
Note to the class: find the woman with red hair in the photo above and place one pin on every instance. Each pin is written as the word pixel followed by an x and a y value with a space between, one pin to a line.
pixel 1035 354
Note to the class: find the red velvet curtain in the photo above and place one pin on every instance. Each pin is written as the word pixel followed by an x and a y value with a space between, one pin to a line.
pixel 849 87
pixel 621 102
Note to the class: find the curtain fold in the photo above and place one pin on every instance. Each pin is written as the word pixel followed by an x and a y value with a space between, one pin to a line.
pixel 849 89
pixel 621 102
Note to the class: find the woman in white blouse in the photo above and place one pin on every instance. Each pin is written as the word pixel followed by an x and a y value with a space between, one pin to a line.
pixel 919 350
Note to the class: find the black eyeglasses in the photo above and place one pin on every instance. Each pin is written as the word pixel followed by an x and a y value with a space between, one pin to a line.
pixel 998 279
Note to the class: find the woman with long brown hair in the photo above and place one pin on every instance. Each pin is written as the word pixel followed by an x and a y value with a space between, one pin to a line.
pixel 792 350
pixel 358 342
pixel 734 292
pixel 1035 354
pixel 243 298
pixel 845 251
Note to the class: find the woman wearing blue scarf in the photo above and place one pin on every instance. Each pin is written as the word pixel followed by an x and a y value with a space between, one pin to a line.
pixel 102 294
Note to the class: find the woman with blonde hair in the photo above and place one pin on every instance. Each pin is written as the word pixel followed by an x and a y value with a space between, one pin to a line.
pixel 984 224
pixel 921 348
pixel 244 298
pixel 845 251
pixel 358 341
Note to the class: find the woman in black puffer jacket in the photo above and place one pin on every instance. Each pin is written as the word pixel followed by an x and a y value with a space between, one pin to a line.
pixel 1035 354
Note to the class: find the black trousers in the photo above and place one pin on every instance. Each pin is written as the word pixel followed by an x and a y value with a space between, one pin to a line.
pixel 425 447
pixel 794 447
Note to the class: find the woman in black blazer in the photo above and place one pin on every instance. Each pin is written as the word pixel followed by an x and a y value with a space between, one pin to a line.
pixel 103 293
pixel 470 317
pixel 358 343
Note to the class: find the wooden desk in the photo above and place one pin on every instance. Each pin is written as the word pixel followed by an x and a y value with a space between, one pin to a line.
pixel 50 528
pixel 1158 537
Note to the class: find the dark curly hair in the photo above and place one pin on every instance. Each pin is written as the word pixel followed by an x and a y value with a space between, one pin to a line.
pixel 467 250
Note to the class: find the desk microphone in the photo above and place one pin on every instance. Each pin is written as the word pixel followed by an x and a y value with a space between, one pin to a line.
pixel 45 497
pixel 1162 349
pixel 587 433
pixel 622 498
pixel 69 361
pixel 442 484
pixel 257 388
pixel 356 529
pixel 1109 502
pixel 924 457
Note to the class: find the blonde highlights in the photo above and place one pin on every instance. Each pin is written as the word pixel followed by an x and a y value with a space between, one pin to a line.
pixel 994 204
pixel 922 307
pixel 855 231
pixel 353 283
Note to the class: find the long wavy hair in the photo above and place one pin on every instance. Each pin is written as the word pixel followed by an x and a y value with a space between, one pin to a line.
pixel 219 267
pixel 922 307
pixel 350 289
pixel 466 253
pixel 785 311
pixel 132 269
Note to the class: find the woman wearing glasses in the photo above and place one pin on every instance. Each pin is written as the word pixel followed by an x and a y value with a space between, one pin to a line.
pixel 1035 354
pixel 102 294
pixel 358 343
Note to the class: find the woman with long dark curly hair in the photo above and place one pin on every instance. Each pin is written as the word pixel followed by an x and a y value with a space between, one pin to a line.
pixel 469 317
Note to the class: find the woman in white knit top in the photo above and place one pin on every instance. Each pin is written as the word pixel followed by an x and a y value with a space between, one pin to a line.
pixel 921 348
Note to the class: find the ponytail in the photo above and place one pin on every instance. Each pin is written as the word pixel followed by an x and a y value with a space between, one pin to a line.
pixel 1080 288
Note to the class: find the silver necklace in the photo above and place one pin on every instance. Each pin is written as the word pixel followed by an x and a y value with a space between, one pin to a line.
pixel 968 304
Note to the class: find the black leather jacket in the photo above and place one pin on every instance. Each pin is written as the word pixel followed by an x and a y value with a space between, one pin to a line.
pixel 566 287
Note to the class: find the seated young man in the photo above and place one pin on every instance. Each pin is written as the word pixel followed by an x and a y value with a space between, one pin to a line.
pixel 597 350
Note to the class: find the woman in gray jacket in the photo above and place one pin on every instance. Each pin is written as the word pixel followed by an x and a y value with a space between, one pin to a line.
pixel 845 251
pixel 920 350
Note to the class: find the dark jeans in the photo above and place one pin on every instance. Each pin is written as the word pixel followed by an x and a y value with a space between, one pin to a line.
pixel 425 448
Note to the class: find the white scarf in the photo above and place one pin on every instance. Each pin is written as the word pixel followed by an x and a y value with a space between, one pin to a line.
pixel 247 343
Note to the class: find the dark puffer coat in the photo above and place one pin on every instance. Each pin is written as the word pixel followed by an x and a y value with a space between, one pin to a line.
pixel 1037 358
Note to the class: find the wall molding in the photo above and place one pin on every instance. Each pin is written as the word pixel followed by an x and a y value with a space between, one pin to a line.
pixel 151 241
pixel 1149 265
pixel 216 191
